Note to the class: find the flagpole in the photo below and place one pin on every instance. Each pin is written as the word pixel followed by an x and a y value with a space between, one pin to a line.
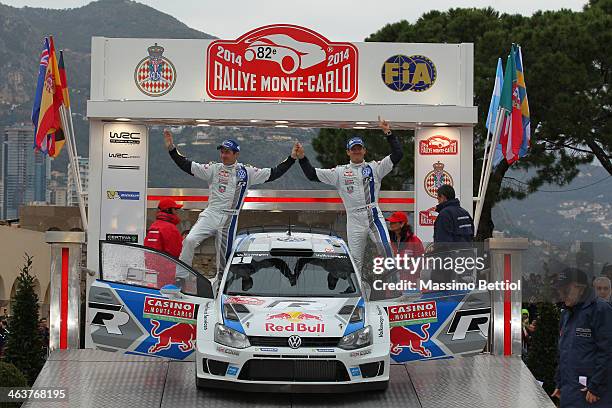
pixel 75 167
pixel 485 157
pixel 485 186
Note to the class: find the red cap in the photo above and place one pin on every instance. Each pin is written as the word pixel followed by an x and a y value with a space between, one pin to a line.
pixel 398 216
pixel 166 203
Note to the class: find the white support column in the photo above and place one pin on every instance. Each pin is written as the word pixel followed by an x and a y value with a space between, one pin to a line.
pixel 506 264
pixel 65 293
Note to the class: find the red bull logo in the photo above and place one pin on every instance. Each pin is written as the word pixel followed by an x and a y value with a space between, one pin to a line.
pixel 182 334
pixel 402 337
pixel 295 327
pixel 294 316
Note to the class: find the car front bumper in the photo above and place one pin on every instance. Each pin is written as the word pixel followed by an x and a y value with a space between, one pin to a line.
pixel 282 369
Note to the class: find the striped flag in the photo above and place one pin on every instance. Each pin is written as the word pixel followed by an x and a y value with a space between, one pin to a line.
pixel 494 105
pixel 42 69
pixel 524 103
pixel 62 74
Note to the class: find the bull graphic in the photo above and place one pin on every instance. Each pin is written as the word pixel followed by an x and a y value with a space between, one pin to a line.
pixel 182 334
pixel 403 337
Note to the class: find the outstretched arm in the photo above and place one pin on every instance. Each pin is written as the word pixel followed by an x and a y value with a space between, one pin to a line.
pixel 396 148
pixel 285 165
pixel 180 160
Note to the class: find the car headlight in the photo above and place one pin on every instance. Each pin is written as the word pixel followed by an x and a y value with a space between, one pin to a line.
pixel 358 339
pixel 230 337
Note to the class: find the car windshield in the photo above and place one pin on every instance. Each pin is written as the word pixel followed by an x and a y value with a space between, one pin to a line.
pixel 291 274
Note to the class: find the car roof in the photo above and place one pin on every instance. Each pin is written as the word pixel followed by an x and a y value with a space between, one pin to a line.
pixel 267 241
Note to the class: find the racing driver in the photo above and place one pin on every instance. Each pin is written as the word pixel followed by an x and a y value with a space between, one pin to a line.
pixel 228 183
pixel 358 184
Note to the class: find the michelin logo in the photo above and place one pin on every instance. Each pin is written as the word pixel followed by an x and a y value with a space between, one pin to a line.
pixel 122 195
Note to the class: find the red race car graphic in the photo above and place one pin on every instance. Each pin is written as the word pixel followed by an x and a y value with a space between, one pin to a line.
pixel 402 337
pixel 182 334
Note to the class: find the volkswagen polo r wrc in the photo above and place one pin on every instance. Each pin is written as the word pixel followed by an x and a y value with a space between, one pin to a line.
pixel 289 314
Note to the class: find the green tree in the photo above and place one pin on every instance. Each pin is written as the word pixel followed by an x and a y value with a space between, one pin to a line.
pixel 567 72
pixel 542 357
pixel 24 347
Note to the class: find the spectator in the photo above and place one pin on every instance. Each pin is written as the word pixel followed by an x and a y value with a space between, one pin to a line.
pixel 453 223
pixel 585 344
pixel 164 236
pixel 403 239
pixel 602 288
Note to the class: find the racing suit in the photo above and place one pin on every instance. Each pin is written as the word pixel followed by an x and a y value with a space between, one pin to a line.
pixel 228 187
pixel 358 185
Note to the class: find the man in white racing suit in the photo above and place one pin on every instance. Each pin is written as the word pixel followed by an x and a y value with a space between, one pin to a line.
pixel 228 184
pixel 358 184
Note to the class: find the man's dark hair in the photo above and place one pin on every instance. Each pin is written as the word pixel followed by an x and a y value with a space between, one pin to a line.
pixel 446 191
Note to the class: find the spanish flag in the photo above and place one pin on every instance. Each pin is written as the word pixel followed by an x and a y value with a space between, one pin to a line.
pixel 49 136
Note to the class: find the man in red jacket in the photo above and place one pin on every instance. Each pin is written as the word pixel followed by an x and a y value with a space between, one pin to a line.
pixel 164 236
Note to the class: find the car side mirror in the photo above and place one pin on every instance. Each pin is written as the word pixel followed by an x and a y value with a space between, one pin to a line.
pixel 171 291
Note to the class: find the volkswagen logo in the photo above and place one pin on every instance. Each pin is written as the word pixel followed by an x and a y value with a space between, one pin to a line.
pixel 294 341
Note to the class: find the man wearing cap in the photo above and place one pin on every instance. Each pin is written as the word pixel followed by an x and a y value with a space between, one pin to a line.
pixel 228 184
pixel 584 373
pixel 358 184
pixel 164 236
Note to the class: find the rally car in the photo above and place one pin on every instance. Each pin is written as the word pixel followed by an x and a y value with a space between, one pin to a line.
pixel 289 314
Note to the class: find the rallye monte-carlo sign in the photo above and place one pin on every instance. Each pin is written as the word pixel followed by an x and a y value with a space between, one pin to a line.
pixel 282 62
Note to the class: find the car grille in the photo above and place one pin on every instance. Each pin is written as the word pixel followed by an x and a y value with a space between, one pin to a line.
pixel 294 370
pixel 265 341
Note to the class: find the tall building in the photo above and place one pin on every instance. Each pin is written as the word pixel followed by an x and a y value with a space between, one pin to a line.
pixel 73 198
pixel 24 172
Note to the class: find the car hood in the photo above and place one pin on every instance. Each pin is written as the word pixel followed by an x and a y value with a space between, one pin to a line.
pixel 283 317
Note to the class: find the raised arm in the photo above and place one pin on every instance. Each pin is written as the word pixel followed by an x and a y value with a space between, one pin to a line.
pixel 396 148
pixel 203 171
pixel 282 167
pixel 180 160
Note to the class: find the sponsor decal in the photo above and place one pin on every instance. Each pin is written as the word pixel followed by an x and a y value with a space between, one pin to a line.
pixel 121 167
pixel 427 217
pixel 355 372
pixel 324 350
pixel 225 350
pixel 172 310
pixel 295 327
pixel 289 303
pixel 108 316
pixel 244 300
pixel 231 370
pixel 350 189
pixel 268 349
pixel 155 74
pixel 415 73
pixel 381 322
pixel 205 316
pixel 361 353
pixel 124 137
pixel 435 178
pixel 129 238
pixel 122 195
pixel 402 337
pixel 438 144
pixel 182 334
pixel 472 320
pixel 413 313
pixel 291 239
pixel 294 342
pixel 293 316
pixel 282 62
pixel 123 156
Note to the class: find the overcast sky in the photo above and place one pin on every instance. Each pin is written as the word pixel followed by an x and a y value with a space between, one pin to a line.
pixel 338 20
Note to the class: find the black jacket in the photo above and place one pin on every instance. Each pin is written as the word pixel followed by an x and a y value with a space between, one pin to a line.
pixel 453 224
